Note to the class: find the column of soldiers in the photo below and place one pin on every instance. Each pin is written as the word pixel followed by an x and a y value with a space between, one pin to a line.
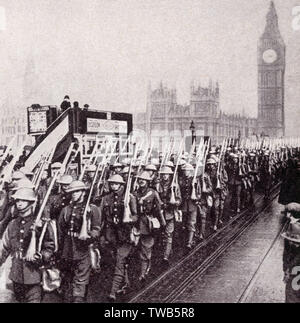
pixel 55 226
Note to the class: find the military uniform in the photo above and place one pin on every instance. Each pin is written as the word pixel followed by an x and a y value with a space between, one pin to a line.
pixel 118 233
pixel 164 190
pixel 266 175
pixel 74 253
pixel 189 207
pixel 218 194
pixel 235 185
pixel 149 209
pixel 26 275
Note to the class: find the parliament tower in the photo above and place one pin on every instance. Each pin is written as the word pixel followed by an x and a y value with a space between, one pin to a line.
pixel 271 68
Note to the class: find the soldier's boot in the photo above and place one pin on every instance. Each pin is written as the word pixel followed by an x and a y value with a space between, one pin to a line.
pixel 216 222
pixel 190 240
pixel 238 205
pixel 167 252
pixel 126 284
pixel 112 297
pixel 203 226
pixel 145 268
pixel 221 214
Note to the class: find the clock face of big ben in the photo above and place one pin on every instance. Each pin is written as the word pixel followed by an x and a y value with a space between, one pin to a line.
pixel 269 56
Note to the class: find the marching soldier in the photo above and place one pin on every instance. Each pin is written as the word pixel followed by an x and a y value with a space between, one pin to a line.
pixel 205 200
pixel 253 173
pixel 266 174
pixel 11 210
pixel 235 182
pixel 59 198
pixel 218 182
pixel 150 220
pixel 118 233
pixel 89 175
pixel 152 171
pixel 170 202
pixel 116 168
pixel 74 252
pixel 6 201
pixel 25 275
pixel 189 207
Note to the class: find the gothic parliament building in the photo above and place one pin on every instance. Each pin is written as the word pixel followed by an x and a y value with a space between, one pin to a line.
pixel 164 118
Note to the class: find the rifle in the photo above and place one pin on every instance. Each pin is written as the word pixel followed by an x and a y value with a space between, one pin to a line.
pixel 194 181
pixel 172 198
pixel 122 150
pixel 83 235
pixel 127 212
pixel 222 153
pixel 90 161
pixel 38 178
pixel 32 245
pixel 204 188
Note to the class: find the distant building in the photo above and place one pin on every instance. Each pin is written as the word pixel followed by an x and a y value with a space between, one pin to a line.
pixel 164 118
pixel 11 125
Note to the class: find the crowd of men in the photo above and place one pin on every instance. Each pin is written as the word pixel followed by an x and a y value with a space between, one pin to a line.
pixel 55 226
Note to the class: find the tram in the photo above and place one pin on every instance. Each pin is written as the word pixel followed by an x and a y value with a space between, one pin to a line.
pixel 55 131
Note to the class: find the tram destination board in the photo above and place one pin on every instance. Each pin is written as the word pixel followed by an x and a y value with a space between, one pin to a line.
pixel 106 122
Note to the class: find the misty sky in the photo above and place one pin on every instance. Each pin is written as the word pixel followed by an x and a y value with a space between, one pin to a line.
pixel 104 52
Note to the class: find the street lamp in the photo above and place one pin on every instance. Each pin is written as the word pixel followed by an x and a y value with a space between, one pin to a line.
pixel 192 128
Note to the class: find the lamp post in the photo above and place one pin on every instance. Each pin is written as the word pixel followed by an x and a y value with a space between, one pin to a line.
pixel 192 128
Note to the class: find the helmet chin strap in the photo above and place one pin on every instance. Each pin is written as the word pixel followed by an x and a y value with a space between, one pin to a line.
pixel 25 210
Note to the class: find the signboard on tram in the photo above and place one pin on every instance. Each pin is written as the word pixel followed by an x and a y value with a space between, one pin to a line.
pixel 107 126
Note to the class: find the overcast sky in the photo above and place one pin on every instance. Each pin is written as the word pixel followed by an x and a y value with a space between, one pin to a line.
pixel 104 52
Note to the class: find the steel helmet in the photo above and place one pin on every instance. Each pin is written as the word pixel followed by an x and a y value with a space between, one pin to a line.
pixel 125 170
pixel 145 176
pixel 17 175
pixel 215 158
pixel 166 170
pixel 211 161
pixel 188 167
pixel 116 179
pixel 182 162
pixel 26 171
pixel 56 165
pixel 91 168
pixel 151 167
pixel 23 183
pixel 169 163
pixel 76 186
pixel 213 150
pixel 116 165
pixel 26 194
pixel 65 180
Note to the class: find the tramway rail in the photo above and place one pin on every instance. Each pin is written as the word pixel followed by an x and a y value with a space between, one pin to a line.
pixel 168 286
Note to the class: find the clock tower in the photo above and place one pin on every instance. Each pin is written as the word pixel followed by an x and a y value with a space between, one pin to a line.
pixel 271 68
